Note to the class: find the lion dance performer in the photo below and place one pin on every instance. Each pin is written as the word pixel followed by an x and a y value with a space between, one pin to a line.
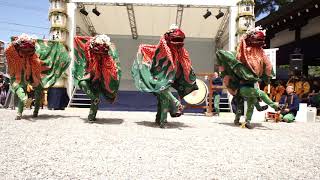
pixel 159 67
pixel 242 72
pixel 97 69
pixel 36 62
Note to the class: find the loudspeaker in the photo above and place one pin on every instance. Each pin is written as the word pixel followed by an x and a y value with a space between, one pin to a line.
pixel 311 114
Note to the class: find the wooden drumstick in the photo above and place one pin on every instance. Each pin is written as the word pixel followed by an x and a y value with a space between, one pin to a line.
pixel 268 88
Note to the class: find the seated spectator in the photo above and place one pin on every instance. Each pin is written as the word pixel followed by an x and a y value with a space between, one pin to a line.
pixel 290 105
pixel 314 95
pixel 4 87
pixel 279 91
pixel 217 85
pixel 302 88
pixel 293 82
pixel 272 91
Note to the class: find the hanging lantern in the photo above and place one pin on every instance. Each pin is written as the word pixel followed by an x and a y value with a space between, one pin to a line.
pixel 246 8
pixel 58 19
pixel 58 34
pixel 58 6
pixel 245 23
pixel 245 19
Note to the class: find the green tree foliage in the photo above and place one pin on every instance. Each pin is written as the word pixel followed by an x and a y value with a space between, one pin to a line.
pixel 314 71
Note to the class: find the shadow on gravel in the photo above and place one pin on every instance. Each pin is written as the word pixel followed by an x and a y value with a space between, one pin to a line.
pixel 194 114
pixel 104 121
pixel 44 117
pixel 258 126
pixel 169 125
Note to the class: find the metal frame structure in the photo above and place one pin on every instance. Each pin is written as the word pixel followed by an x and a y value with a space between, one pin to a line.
pixel 219 3
pixel 132 21
pixel 80 31
pixel 87 21
pixel 222 30
pixel 179 15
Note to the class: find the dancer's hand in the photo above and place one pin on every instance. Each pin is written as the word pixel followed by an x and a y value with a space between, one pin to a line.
pixel 286 110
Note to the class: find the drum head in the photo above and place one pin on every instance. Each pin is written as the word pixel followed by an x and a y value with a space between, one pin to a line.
pixel 198 96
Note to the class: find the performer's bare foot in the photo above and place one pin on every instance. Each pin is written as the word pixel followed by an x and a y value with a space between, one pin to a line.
pixel 237 122
pixel 265 107
pixel 91 119
pixel 247 125
pixel 18 117
pixel 179 112
pixel 163 125
pixel 158 121
pixel 35 114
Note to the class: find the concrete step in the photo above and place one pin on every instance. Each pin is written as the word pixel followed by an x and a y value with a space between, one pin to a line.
pixel 76 98
pixel 79 104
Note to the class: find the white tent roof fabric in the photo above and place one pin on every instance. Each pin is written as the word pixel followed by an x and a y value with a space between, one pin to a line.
pixel 154 20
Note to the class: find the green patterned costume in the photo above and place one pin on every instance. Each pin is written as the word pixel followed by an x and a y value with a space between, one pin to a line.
pixel 96 69
pixel 36 62
pixel 243 70
pixel 159 67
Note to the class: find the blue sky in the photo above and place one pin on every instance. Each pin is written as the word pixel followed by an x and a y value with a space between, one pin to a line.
pixel 28 13
pixel 24 12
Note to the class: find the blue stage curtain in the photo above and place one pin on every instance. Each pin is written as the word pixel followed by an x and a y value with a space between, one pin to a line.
pixel 57 98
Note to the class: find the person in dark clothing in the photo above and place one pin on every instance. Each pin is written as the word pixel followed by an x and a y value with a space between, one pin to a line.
pixel 4 87
pixel 217 85
pixel 290 105
pixel 314 95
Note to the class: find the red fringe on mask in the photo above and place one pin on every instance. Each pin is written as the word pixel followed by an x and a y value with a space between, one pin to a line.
pixel 173 54
pixel 17 64
pixel 107 69
pixel 254 58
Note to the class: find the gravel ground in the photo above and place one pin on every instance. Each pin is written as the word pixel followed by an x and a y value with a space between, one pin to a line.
pixel 127 145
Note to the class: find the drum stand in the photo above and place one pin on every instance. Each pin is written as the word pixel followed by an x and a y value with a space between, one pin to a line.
pixel 209 102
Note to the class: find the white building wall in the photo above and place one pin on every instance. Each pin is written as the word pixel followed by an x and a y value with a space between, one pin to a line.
pixel 80 22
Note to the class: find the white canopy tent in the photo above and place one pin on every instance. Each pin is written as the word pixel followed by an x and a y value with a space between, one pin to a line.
pixel 133 22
